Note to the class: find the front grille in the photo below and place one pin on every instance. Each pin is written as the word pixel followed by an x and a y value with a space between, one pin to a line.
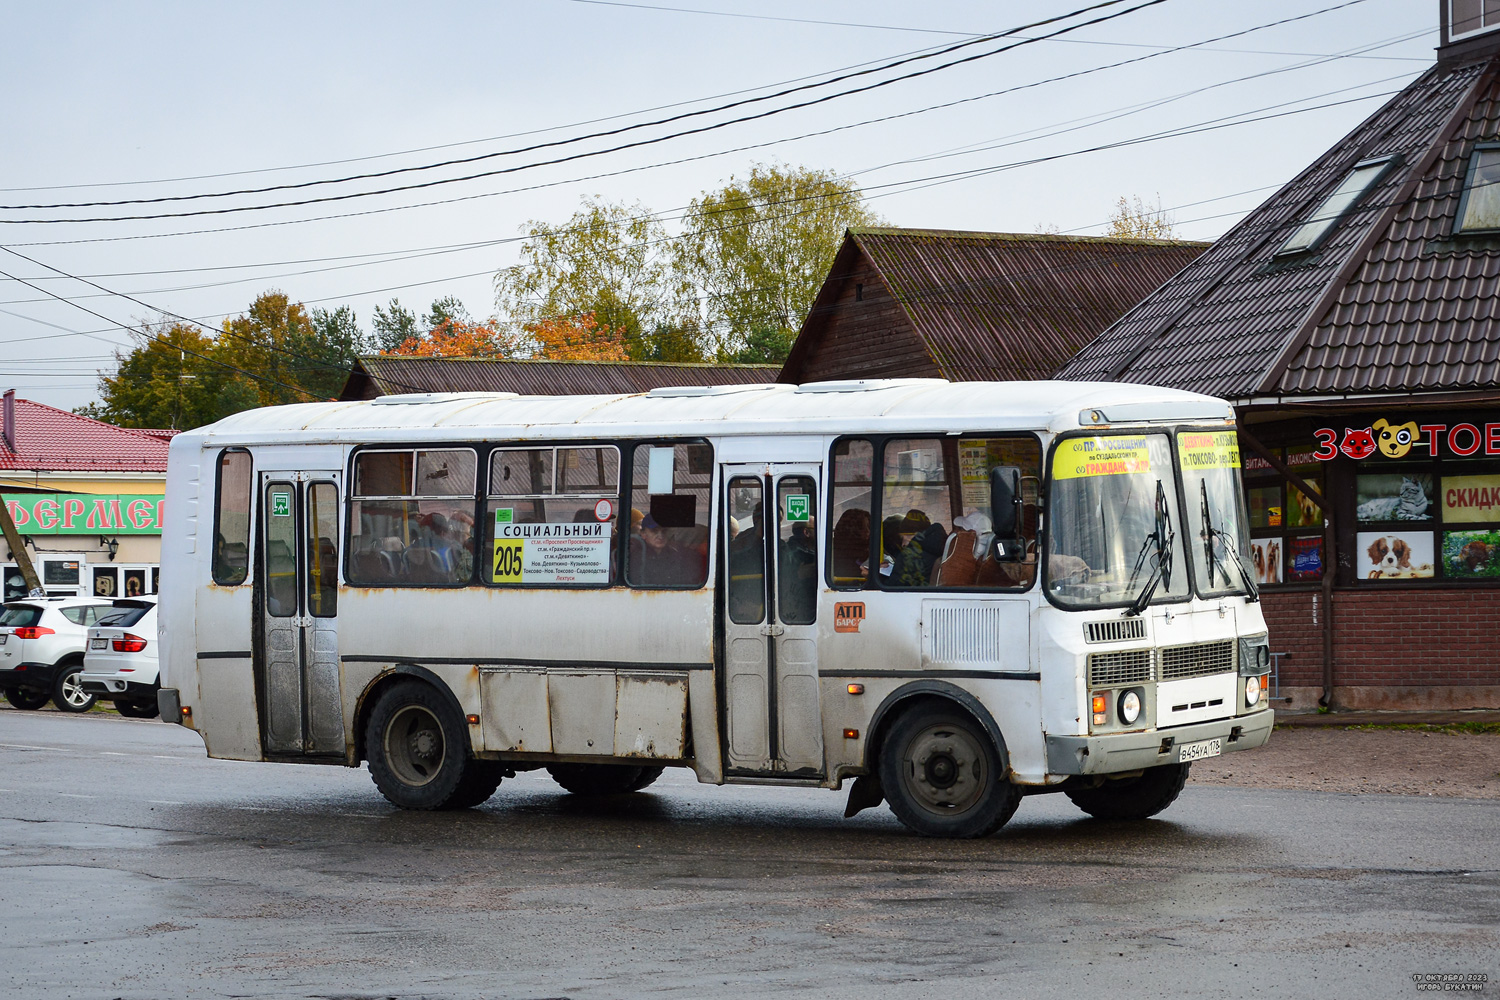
pixel 1197 661
pixel 1114 631
pixel 1130 666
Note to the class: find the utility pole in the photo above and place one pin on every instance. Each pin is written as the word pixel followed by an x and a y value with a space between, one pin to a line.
pixel 19 554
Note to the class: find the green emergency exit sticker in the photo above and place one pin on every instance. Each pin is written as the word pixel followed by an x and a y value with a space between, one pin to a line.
pixel 281 505
pixel 797 506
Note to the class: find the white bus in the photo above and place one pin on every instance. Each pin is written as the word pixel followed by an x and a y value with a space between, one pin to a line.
pixel 954 594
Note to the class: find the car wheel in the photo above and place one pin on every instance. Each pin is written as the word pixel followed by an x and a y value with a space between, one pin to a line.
pixel 418 751
pixel 601 779
pixel 1133 798
pixel 67 691
pixel 942 774
pixel 136 709
pixel 24 699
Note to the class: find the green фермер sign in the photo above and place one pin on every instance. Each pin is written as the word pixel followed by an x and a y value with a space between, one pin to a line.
pixel 85 513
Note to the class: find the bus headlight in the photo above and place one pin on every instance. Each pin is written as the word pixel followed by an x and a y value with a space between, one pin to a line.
pixel 1252 690
pixel 1130 707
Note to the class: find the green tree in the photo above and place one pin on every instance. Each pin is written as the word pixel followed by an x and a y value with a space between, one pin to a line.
pixel 758 250
pixel 335 344
pixel 170 379
pixel 607 260
pixel 444 309
pixel 276 340
pixel 392 326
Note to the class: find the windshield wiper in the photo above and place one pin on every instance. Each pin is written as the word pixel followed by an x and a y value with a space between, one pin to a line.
pixel 1210 533
pixel 1161 572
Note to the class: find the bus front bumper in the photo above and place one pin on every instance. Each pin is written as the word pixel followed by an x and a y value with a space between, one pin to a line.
pixel 1115 752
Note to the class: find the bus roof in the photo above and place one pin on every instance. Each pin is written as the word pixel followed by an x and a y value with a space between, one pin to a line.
pixel 875 405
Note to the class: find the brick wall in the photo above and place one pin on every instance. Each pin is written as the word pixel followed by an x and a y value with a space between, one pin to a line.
pixel 1390 637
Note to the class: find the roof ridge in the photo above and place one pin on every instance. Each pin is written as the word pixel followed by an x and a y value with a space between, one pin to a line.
pixel 558 361
pixel 1012 237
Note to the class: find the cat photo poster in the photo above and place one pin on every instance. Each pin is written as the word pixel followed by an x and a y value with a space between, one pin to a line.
pixel 1394 496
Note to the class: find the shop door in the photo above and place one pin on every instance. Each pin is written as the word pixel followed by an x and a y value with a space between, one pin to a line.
pixel 297 590
pixel 774 723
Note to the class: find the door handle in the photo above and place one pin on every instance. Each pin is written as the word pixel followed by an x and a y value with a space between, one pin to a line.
pixel 772 630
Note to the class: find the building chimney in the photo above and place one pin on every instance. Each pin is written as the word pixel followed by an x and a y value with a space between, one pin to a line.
pixel 10 420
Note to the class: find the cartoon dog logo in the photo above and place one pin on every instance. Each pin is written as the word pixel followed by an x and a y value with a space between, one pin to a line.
pixel 1395 440
pixel 1358 444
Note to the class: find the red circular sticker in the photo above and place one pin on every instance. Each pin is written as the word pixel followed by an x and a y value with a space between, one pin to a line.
pixel 603 510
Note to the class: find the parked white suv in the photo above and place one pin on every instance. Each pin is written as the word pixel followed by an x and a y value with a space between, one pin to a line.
pixel 120 662
pixel 41 650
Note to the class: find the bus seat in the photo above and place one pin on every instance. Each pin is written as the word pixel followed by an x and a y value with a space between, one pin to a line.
pixel 957 567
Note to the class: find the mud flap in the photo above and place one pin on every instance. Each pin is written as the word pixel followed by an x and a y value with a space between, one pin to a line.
pixel 865 793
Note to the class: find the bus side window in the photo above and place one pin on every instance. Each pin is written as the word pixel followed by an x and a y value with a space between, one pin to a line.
pixel 669 498
pixel 849 516
pixel 231 562
pixel 411 518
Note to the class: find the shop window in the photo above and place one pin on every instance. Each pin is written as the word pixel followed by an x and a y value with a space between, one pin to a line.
pixel 669 508
pixel 936 530
pixel 1479 208
pixel 551 516
pixel 1342 200
pixel 411 518
pixel 1286 525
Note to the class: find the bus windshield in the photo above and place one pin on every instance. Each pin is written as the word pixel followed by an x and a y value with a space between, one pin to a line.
pixel 1116 535
pixel 1217 537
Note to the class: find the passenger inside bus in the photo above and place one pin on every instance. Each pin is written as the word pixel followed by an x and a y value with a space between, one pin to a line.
pixel 664 562
pixel 851 546
pixel 797 569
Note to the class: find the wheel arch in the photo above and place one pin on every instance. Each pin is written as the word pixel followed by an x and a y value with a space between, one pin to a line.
pixel 907 696
pixel 388 679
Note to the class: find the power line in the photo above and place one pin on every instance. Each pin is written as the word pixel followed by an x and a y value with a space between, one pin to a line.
pixel 1141 5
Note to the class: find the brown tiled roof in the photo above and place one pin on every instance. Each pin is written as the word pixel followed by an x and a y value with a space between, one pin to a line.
pixel 382 375
pixel 1001 305
pixel 1389 303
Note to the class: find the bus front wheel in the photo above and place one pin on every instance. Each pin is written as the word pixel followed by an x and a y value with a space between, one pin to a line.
pixel 1133 798
pixel 418 757
pixel 942 774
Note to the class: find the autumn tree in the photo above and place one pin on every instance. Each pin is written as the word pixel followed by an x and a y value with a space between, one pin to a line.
pixel 1135 219
pixel 576 338
pixel 607 260
pixel 758 250
pixel 457 338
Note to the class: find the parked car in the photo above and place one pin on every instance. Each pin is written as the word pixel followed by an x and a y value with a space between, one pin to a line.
pixel 120 662
pixel 41 650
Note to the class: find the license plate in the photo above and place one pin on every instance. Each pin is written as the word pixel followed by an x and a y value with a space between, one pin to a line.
pixel 98 643
pixel 3 637
pixel 1198 751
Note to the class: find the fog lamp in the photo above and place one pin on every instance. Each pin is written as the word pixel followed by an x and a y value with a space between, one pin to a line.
pixel 1252 690
pixel 1130 707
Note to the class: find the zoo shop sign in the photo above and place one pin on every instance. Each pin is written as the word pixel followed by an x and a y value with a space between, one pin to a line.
pixel 1395 440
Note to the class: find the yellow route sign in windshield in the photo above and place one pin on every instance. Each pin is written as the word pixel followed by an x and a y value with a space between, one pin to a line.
pixel 1076 458
pixel 1201 450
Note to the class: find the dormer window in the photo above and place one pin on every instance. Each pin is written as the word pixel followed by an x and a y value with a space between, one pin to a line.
pixel 1470 17
pixel 1351 190
pixel 1479 209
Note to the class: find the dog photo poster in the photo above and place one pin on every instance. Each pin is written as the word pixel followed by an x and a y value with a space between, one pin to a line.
pixel 1265 556
pixel 1471 554
pixel 1394 555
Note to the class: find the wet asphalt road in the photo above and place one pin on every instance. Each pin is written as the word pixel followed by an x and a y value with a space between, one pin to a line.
pixel 135 867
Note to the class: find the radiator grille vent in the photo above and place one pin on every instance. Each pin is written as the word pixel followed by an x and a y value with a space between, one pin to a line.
pixel 1114 631
pixel 969 634
pixel 1129 666
pixel 1197 661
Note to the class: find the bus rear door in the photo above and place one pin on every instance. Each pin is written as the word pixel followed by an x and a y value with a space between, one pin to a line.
pixel 774 722
pixel 297 607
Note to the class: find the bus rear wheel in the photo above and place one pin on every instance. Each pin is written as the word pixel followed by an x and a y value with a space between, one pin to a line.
pixel 1133 798
pixel 942 775
pixel 603 779
pixel 418 757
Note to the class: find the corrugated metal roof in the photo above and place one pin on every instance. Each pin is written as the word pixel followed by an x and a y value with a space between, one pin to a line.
pixel 382 375
pixel 1389 303
pixel 1009 305
pixel 53 440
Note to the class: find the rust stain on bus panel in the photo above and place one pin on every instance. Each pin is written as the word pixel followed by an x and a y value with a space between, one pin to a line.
pixel 650 715
pixel 516 711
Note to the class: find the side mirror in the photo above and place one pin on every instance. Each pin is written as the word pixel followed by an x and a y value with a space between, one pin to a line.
pixel 1005 512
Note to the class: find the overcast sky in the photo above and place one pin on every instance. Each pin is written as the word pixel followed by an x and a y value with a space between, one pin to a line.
pixel 113 101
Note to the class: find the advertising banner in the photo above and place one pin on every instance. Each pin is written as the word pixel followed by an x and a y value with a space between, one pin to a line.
pixel 1471 498
pixel 85 513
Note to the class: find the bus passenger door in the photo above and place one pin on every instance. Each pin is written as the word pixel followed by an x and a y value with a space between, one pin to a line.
pixel 773 719
pixel 298 610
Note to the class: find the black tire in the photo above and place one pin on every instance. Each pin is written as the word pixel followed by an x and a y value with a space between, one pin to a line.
pixel 602 779
pixel 67 691
pixel 25 699
pixel 943 776
pixel 137 709
pixel 1133 798
pixel 419 754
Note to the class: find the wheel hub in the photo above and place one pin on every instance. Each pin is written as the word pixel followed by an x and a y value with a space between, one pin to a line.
pixel 425 745
pixel 941 770
pixel 945 772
